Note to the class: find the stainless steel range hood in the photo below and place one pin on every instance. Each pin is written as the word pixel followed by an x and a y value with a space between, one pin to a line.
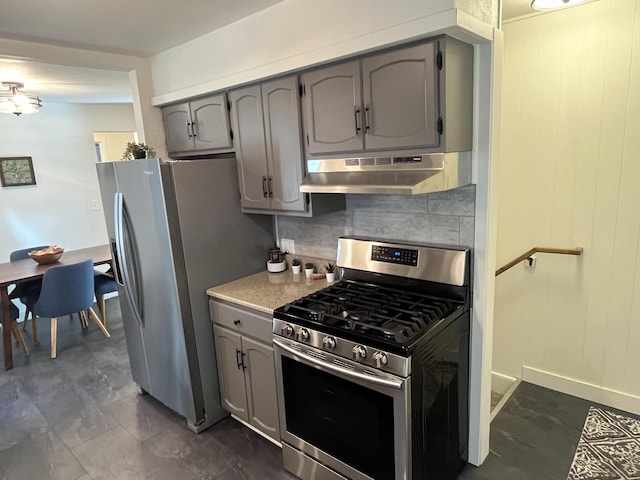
pixel 408 175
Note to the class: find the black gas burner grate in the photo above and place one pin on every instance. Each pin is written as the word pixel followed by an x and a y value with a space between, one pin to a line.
pixel 375 311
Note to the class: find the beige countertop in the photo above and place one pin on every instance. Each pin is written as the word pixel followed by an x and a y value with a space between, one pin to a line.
pixel 266 291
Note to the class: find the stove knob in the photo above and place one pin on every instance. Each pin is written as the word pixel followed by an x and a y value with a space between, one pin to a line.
pixel 329 343
pixel 288 331
pixel 303 334
pixel 379 359
pixel 359 352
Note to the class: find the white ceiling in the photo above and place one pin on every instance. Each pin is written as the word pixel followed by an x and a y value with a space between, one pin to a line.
pixel 139 28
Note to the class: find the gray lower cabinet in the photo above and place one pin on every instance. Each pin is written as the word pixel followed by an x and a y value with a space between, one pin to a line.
pixel 197 127
pixel 267 137
pixel 246 368
pixel 385 101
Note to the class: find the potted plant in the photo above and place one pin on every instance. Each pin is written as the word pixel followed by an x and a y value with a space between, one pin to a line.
pixel 308 269
pixel 137 150
pixel 331 272
pixel 295 266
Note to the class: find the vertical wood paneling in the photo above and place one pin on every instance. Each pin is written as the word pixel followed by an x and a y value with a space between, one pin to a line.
pixel 626 217
pixel 616 70
pixel 630 214
pixel 569 175
pixel 569 345
pixel 591 87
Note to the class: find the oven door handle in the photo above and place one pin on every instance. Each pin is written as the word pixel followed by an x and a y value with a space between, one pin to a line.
pixel 387 382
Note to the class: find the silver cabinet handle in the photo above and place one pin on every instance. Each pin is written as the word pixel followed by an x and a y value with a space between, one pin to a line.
pixel 270 187
pixel 264 186
pixel 357 115
pixel 189 129
pixel 194 131
pixel 367 119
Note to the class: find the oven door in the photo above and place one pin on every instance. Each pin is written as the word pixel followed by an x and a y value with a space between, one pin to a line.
pixel 353 419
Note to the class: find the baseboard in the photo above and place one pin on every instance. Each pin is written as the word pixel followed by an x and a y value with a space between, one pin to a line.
pixel 504 385
pixel 501 383
pixel 577 388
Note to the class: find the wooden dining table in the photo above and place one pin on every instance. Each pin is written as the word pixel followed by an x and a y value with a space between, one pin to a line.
pixel 12 273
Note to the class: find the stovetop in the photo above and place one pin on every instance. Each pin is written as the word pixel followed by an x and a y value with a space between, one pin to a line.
pixel 392 297
pixel 375 315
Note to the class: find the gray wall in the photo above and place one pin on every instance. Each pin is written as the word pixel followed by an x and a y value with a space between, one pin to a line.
pixel 445 218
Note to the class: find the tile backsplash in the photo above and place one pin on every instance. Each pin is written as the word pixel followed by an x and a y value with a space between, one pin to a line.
pixel 445 218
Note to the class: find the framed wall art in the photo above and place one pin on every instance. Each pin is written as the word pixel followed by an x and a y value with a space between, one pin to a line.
pixel 16 171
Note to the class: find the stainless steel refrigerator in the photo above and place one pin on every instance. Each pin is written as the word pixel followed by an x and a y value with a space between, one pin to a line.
pixel 176 229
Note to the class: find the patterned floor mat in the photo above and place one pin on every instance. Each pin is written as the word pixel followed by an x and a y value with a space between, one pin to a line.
pixel 609 448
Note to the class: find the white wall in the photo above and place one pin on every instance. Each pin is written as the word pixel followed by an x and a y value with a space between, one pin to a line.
pixel 569 177
pixel 112 144
pixel 148 120
pixel 58 208
pixel 298 33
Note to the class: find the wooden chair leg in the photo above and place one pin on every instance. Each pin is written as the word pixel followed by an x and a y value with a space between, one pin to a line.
pixel 98 322
pixel 54 337
pixel 82 316
pixel 34 327
pixel 18 334
pixel 102 306
pixel 34 324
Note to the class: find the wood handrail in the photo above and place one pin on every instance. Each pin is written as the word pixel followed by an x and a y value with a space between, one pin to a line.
pixel 528 253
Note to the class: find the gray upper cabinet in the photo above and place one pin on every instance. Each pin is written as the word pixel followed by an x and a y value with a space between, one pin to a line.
pixel 333 111
pixel 177 127
pixel 250 146
pixel 267 137
pixel 400 98
pixel 199 126
pixel 384 101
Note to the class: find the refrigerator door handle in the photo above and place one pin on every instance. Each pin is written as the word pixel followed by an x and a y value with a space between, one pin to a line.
pixel 115 264
pixel 119 219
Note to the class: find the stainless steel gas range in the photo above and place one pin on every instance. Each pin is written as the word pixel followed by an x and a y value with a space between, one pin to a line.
pixel 373 371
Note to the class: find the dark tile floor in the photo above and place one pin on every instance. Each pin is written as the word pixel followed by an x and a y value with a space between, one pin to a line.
pixel 79 418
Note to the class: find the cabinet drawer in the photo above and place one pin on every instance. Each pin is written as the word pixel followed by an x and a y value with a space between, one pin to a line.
pixel 241 320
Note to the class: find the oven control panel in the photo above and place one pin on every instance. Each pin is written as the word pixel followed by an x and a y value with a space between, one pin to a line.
pixel 400 256
pixel 323 346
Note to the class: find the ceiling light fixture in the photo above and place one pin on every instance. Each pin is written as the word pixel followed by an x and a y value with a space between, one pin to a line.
pixel 17 102
pixel 551 4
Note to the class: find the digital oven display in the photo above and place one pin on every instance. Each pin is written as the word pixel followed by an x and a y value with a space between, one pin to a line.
pixel 401 256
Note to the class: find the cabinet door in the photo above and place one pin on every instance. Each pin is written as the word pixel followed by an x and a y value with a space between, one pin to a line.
pixel 400 98
pixel 250 147
pixel 332 100
pixel 261 387
pixel 233 392
pixel 177 127
pixel 281 111
pixel 210 123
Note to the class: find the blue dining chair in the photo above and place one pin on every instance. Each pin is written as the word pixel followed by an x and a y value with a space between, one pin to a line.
pixel 103 284
pixel 14 313
pixel 66 289
pixel 27 289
